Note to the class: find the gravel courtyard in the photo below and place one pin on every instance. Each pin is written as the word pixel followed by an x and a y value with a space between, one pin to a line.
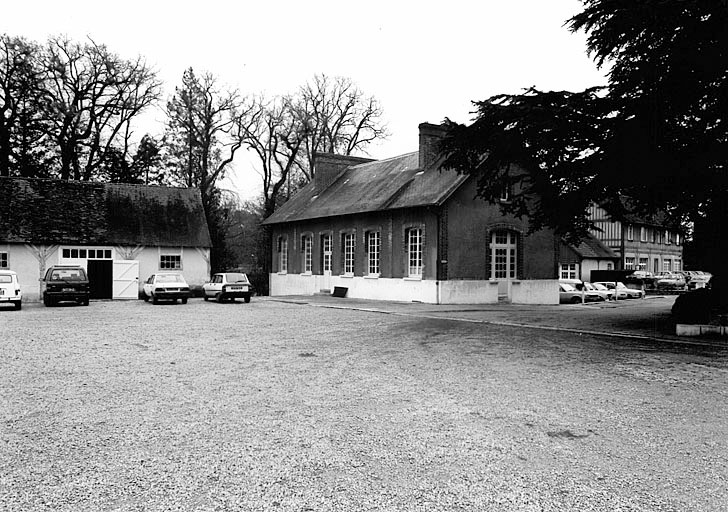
pixel 126 406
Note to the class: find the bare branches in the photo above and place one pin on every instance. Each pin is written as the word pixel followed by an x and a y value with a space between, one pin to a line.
pixel 339 116
pixel 93 96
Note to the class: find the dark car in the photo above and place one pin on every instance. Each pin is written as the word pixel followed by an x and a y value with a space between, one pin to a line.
pixel 65 283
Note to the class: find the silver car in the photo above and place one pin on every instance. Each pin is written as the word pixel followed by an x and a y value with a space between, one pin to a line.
pixel 228 286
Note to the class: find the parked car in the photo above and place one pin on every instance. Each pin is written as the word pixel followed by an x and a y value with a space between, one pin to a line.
pixel 670 281
pixel 568 294
pixel 228 285
pixel 166 286
pixel 601 290
pixel 642 274
pixel 590 295
pixel 697 279
pixel 10 289
pixel 623 291
pixel 64 283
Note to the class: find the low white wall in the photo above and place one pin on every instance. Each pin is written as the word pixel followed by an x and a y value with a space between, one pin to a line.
pixel 405 290
pixel 535 291
pixel 468 292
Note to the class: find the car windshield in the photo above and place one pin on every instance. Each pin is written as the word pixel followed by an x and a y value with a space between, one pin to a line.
pixel 170 278
pixel 600 287
pixel 236 277
pixel 6 279
pixel 68 274
pixel 567 287
pixel 589 286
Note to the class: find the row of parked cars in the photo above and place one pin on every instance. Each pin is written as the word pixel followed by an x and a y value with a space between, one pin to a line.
pixel 70 283
pixel 576 291
pixel 673 280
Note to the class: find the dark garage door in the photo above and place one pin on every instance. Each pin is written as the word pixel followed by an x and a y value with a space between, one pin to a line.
pixel 101 278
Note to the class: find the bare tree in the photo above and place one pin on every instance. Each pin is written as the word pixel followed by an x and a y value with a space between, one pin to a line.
pixel 94 96
pixel 276 134
pixel 206 126
pixel 339 116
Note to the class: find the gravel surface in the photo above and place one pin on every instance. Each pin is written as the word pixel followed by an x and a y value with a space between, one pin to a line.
pixel 126 406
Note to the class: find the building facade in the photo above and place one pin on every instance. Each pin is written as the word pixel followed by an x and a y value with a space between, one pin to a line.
pixel 640 244
pixel 401 229
pixel 117 232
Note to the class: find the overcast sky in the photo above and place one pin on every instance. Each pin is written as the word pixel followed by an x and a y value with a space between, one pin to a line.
pixel 422 60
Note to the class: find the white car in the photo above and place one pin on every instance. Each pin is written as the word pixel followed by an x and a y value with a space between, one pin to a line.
pixel 599 289
pixel 623 291
pixel 166 286
pixel 228 285
pixel 10 289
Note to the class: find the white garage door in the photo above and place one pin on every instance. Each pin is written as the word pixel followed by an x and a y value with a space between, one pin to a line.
pixel 126 279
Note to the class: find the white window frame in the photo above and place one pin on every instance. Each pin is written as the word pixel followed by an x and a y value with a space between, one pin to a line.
pixel 668 237
pixel 326 251
pixel 629 262
pixel 415 247
pixel 630 232
pixel 348 242
pixel 677 265
pixel 283 255
pixel 667 265
pixel 643 264
pixel 307 254
pixel 568 271
pixel 643 234
pixel 506 242
pixel 4 259
pixel 374 250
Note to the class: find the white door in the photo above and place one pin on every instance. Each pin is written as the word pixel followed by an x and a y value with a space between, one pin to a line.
pixel 126 279
pixel 503 245
pixel 326 261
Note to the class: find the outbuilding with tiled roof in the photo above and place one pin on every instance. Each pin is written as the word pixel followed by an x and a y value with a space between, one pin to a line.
pixel 118 232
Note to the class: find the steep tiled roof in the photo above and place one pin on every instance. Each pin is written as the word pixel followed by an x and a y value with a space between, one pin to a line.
pixel 592 248
pixel 72 212
pixel 374 186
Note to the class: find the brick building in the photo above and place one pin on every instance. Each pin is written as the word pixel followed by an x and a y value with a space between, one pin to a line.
pixel 400 229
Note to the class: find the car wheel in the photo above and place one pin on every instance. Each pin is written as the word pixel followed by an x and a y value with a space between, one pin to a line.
pixel 145 297
pixel 246 298
pixel 184 301
pixel 575 300
pixel 219 298
pixel 206 297
pixel 154 299
pixel 85 302
pixel 47 301
pixel 18 305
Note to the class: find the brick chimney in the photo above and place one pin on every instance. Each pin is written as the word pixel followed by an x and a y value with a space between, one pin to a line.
pixel 430 135
pixel 327 167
